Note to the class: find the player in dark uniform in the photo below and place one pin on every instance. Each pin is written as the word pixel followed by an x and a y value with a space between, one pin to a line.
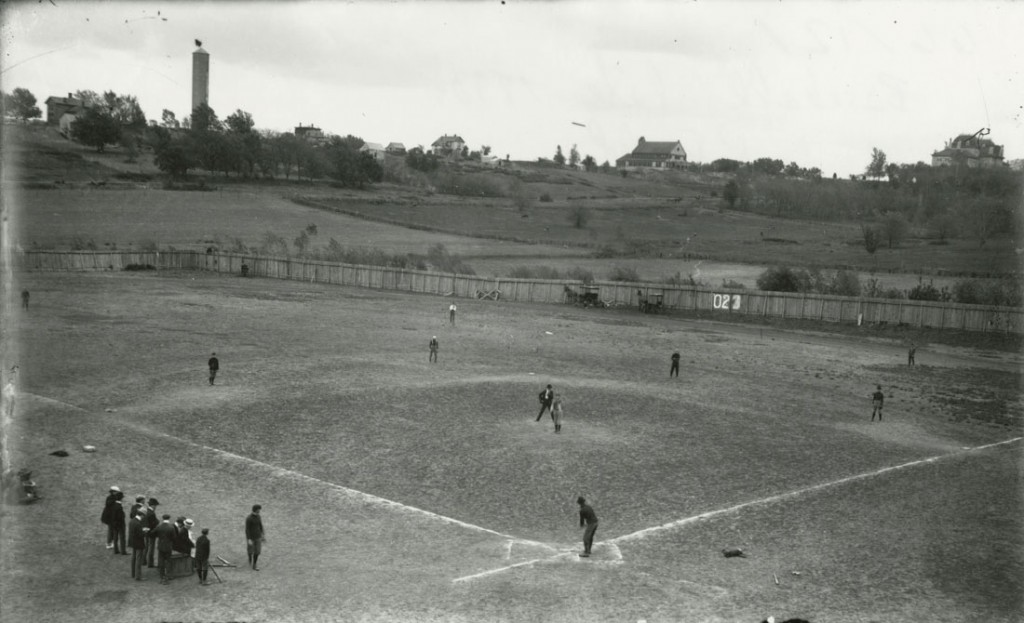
pixel 910 354
pixel 674 370
pixel 876 401
pixel 214 366
pixel 546 398
pixel 433 349
pixel 589 520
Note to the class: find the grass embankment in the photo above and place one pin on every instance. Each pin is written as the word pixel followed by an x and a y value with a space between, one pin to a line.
pixel 652 221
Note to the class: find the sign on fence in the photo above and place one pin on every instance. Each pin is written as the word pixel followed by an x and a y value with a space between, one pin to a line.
pixel 726 301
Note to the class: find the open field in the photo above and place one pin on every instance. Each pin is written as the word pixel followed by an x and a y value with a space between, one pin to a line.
pixel 394 489
pixel 131 218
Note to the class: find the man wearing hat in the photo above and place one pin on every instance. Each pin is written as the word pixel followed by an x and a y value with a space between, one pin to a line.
pixel 151 522
pixel 433 349
pixel 137 540
pixel 105 517
pixel 164 537
pixel 118 525
pixel 182 543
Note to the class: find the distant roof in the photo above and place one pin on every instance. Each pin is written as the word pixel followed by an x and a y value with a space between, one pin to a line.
pixel 393 145
pixel 447 139
pixel 70 101
pixel 372 147
pixel 656 147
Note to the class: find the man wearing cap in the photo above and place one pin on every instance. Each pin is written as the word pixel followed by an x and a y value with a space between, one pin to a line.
pixel 433 349
pixel 106 515
pixel 254 536
pixel 203 556
pixel 164 536
pixel 140 502
pixel 137 540
pixel 214 364
pixel 151 522
pixel 589 519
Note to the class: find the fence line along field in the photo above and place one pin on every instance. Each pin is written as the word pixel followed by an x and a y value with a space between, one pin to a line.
pixel 394 488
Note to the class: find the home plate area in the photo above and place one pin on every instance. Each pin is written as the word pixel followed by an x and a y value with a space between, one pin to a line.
pixel 528 553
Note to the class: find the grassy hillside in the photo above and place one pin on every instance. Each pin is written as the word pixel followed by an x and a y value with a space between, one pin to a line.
pixel 664 222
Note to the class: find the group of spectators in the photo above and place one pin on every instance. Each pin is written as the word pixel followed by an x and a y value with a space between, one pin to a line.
pixel 153 539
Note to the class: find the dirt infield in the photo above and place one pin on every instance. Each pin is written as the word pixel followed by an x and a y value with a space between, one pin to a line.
pixel 396 489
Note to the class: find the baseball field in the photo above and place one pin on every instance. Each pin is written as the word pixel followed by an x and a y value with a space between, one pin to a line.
pixel 397 489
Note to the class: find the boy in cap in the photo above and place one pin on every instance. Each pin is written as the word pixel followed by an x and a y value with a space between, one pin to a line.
pixel 254 536
pixel 203 556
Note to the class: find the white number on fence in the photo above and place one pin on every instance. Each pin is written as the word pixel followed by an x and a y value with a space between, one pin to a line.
pixel 727 301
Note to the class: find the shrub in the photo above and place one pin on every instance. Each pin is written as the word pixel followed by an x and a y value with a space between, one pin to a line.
pixel 844 283
pixel 579 216
pixel 928 292
pixel 735 285
pixel 1005 292
pixel 580 274
pixel 535 272
pixel 80 243
pixel 440 259
pixel 148 246
pixel 623 273
pixel 546 198
pixel 140 267
pixel 784 279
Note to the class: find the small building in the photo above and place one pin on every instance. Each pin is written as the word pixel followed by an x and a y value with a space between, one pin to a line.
pixel 374 149
pixel 395 148
pixel 654 155
pixel 311 134
pixel 65 122
pixel 971 150
pixel 57 107
pixel 448 145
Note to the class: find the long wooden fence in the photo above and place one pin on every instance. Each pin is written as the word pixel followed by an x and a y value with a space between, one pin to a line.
pixel 717 301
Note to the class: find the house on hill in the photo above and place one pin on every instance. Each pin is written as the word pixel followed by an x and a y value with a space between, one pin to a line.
pixel 63 111
pixel 654 155
pixel 374 149
pixel 969 149
pixel 311 134
pixel 448 145
pixel 395 148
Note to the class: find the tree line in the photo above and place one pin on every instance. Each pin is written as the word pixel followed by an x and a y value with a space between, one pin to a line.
pixel 938 202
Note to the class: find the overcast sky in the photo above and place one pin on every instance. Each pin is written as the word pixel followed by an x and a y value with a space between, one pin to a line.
pixel 820 84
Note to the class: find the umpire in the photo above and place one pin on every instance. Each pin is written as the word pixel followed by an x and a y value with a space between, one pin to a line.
pixel 588 519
